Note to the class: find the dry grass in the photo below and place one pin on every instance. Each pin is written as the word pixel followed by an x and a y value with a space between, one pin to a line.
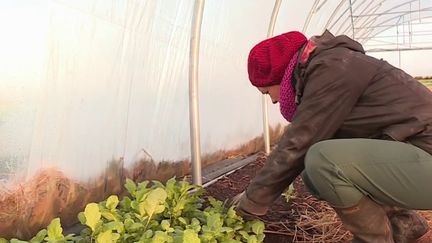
pixel 316 222
pixel 252 146
pixel 149 169
pixel 311 221
pixel 30 206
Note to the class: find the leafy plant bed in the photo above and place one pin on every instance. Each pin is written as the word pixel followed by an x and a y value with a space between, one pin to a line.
pixel 153 212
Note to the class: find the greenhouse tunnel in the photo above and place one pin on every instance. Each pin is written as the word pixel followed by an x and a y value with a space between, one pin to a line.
pixel 94 92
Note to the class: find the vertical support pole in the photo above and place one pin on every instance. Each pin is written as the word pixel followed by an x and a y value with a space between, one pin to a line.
pixel 399 58
pixel 352 19
pixel 410 28
pixel 193 92
pixel 397 44
pixel 266 132
pixel 419 6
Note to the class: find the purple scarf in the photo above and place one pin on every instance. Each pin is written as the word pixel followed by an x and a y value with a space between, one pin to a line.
pixel 287 93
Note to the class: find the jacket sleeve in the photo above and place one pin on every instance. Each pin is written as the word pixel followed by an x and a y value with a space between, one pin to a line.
pixel 331 91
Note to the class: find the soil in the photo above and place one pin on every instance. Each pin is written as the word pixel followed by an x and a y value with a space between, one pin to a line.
pixel 301 219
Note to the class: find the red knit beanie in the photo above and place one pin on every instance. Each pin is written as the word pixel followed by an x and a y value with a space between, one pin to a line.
pixel 268 59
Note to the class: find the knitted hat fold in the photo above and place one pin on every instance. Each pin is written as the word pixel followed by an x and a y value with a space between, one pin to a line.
pixel 268 59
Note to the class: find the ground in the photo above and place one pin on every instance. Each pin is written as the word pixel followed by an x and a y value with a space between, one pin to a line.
pixel 301 219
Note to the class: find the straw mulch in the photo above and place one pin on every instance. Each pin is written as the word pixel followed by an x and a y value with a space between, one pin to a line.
pixel 309 220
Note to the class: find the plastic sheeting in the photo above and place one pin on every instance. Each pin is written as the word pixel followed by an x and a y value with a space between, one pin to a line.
pixel 110 81
pixel 89 88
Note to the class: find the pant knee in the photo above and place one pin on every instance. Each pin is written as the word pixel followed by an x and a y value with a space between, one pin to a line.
pixel 324 178
pixel 316 164
pixel 315 169
pixel 310 186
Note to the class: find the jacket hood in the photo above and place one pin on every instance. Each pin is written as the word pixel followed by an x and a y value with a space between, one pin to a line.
pixel 328 41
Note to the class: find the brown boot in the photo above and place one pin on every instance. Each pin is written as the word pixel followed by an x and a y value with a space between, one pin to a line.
pixel 408 226
pixel 367 221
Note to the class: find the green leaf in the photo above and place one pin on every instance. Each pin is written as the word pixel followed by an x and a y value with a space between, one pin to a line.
pixel 244 234
pixel 112 202
pixel 161 237
pixel 182 220
pixel 55 231
pixel 128 222
pixel 141 194
pixel 143 185
pixel 109 215
pixel 252 239
pixel 117 226
pixel 214 221
pixel 289 193
pixel 82 218
pixel 3 240
pixel 165 224
pixel 227 229
pixel 216 204
pixel 195 225
pixel 170 187
pixel 131 187
pixel 106 237
pixel 71 237
pixel 258 227
pixel 195 222
pixel 154 202
pixel 158 184
pixel 115 236
pixel 260 237
pixel 18 241
pixel 92 215
pixel 188 236
pixel 135 227
pixel 148 234
pixel 231 213
pixel 40 236
pixel 126 203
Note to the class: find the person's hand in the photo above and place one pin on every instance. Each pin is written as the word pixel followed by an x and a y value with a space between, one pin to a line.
pixel 239 203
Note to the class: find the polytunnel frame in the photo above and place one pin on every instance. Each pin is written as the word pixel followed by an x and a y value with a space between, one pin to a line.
pixel 363 24
pixel 362 30
pixel 193 89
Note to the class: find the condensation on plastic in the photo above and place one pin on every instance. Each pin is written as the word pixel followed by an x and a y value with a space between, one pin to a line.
pixel 109 80
pixel 87 85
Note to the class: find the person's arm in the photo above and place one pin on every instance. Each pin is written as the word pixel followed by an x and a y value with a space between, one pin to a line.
pixel 331 92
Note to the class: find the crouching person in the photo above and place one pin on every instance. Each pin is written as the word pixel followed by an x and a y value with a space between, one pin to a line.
pixel 360 135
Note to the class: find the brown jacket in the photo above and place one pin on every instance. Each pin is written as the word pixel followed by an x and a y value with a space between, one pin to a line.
pixel 343 93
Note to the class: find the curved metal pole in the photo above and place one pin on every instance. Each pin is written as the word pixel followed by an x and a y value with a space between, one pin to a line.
pixel 340 17
pixel 193 92
pixel 372 16
pixel 266 132
pixel 368 37
pixel 309 16
pixel 333 14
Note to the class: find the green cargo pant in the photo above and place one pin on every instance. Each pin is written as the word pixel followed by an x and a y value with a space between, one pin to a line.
pixel 342 171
